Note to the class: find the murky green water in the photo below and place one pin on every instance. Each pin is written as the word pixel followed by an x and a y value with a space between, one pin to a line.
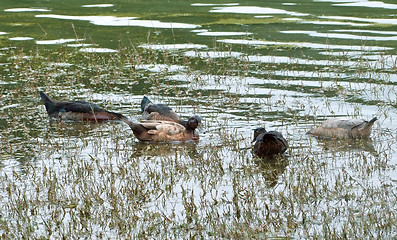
pixel 285 65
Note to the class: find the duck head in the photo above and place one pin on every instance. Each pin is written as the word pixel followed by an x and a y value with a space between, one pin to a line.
pixel 257 132
pixel 193 122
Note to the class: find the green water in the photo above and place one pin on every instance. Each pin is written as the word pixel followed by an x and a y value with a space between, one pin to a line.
pixel 285 65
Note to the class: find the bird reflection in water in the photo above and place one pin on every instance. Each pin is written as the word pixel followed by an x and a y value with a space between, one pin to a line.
pixel 272 169
pixel 165 149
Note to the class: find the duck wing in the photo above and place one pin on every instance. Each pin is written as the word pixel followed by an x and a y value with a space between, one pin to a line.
pixel 270 144
pixel 159 112
pixel 278 136
pixel 78 107
pixel 167 127
pixel 344 123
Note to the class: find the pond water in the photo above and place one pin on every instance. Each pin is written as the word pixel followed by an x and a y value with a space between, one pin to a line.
pixel 285 65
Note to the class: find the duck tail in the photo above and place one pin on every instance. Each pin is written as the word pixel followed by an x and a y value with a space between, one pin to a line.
pixel 134 126
pixel 129 123
pixel 118 116
pixel 369 124
pixel 365 129
pixel 48 103
pixel 145 101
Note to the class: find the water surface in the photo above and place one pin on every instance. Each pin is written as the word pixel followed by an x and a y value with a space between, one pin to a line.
pixel 239 65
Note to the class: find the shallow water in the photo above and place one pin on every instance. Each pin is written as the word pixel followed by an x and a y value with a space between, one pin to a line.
pixel 239 65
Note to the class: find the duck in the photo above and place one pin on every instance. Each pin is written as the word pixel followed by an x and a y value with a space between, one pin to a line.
pixel 151 111
pixel 162 112
pixel 269 144
pixel 165 131
pixel 344 128
pixel 77 110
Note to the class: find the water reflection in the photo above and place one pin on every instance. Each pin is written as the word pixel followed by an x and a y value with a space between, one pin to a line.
pixel 57 41
pixel 77 45
pixel 20 38
pixel 272 169
pixel 365 31
pixel 306 45
pixel 121 21
pixel 172 46
pixel 347 145
pixel 26 10
pixel 167 149
pixel 236 79
pixel 371 20
pixel 161 68
pixel 214 34
pixel 299 20
pixel 254 10
pixel 341 36
pixel 213 54
pixel 97 50
pixel 17 155
pixel 71 128
pixel 213 4
pixel 370 4
pixel 98 5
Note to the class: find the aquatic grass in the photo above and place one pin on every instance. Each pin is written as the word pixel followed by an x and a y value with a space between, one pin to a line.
pixel 97 181
pixel 84 174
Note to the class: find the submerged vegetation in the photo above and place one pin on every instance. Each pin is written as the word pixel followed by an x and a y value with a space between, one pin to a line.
pixel 240 66
pixel 63 179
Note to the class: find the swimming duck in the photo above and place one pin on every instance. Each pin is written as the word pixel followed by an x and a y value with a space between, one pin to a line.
pixel 344 128
pixel 161 112
pixel 165 131
pixel 77 110
pixel 151 111
pixel 268 144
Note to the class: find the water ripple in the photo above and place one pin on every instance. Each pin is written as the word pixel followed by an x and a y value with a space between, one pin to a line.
pixel 341 36
pixel 254 10
pixel 305 45
pixel 120 21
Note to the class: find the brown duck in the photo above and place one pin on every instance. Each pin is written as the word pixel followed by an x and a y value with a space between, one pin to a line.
pixel 151 111
pixel 165 131
pixel 77 110
pixel 344 128
pixel 269 144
